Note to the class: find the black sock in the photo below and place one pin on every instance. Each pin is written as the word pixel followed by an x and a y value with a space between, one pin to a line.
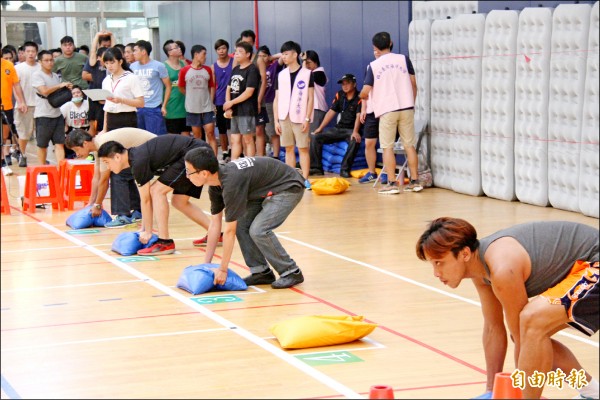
pixel 164 241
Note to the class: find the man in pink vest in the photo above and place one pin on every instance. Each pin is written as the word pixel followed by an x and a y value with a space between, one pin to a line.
pixel 293 108
pixel 391 80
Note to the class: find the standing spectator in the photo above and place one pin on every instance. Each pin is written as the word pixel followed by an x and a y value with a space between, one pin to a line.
pixel 70 64
pixel 394 94
pixel 85 50
pixel 102 39
pixel 222 73
pixel 182 47
pixel 310 60
pixel 56 53
pixel 120 111
pixel 273 64
pixel 242 99
pixel 176 113
pixel 293 108
pixel 155 81
pixel 96 75
pixel 128 53
pixel 8 55
pixel 20 54
pixel 347 104
pixel 197 84
pixel 49 122
pixel 371 135
pixel 24 122
pixel 9 83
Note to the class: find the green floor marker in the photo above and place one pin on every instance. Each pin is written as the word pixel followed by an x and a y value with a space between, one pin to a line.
pixel 228 298
pixel 83 231
pixel 328 358
pixel 137 259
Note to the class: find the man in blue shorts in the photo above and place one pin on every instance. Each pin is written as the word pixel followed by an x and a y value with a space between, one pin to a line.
pixel 553 263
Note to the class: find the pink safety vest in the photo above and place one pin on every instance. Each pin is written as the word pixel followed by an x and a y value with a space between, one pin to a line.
pixel 392 88
pixel 320 102
pixel 293 102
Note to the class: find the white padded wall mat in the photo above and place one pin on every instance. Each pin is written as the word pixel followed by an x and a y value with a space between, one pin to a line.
pixel 442 9
pixel 570 30
pixel 441 101
pixel 589 176
pixel 531 105
pixel 497 104
pixel 419 50
pixel 465 122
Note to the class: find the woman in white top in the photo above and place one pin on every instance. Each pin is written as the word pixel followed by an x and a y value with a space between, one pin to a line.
pixel 120 110
pixel 310 60
pixel 76 111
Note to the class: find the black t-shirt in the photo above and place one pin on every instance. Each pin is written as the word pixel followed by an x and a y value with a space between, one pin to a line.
pixel 98 74
pixel 251 179
pixel 320 78
pixel 156 155
pixel 346 108
pixel 293 75
pixel 241 79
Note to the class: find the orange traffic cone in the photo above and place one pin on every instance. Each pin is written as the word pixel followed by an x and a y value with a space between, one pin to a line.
pixel 504 389
pixel 381 392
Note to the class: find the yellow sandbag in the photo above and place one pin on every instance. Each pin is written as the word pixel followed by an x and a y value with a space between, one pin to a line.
pixel 333 185
pixel 359 173
pixel 320 330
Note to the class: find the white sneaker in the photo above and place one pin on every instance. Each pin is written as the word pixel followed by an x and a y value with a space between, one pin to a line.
pixel 6 171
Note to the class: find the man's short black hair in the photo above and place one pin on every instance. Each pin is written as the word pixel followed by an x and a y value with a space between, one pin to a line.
pixel 77 137
pixel 382 40
pixel 67 39
pixel 181 47
pixel 291 46
pixel 246 46
pixel 85 48
pixel 248 33
pixel 31 44
pixel 144 45
pixel 110 148
pixel 203 159
pixel 221 42
pixel 166 46
pixel 42 53
pixel 197 48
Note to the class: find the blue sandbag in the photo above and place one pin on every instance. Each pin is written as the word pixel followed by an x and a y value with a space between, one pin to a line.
pixel 128 243
pixel 198 279
pixel 81 219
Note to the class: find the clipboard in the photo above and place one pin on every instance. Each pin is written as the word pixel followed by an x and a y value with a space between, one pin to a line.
pixel 97 94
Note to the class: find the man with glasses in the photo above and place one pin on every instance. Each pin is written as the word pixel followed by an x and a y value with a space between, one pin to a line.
pixel 162 156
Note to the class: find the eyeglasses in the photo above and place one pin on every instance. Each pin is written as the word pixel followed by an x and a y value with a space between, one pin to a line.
pixel 188 173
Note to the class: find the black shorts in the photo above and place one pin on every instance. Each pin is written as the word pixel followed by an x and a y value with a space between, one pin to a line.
pixel 371 127
pixel 48 129
pixel 9 117
pixel 177 125
pixel 121 120
pixel 262 118
pixel 223 124
pixel 96 111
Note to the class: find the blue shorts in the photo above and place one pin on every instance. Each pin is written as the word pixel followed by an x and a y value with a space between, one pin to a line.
pixel 195 119
pixel 152 120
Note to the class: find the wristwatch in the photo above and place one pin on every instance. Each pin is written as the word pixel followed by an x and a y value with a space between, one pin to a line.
pixel 98 206
pixel 307 119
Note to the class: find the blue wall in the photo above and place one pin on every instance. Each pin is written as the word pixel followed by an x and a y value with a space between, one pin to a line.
pixel 339 31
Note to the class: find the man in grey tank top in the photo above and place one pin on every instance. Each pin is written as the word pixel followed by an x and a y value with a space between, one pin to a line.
pixel 555 263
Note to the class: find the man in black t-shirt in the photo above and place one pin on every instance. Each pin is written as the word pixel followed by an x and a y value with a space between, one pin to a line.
pixel 347 103
pixel 257 194
pixel 162 156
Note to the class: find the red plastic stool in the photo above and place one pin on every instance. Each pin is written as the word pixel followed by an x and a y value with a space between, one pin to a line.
pixel 70 192
pixel 5 202
pixel 62 168
pixel 31 197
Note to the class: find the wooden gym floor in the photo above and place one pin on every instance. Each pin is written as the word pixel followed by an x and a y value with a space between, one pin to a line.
pixel 79 321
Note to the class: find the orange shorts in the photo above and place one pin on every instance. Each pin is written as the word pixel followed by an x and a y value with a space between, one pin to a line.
pixel 578 293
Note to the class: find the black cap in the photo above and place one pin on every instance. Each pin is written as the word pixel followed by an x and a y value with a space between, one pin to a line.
pixel 347 77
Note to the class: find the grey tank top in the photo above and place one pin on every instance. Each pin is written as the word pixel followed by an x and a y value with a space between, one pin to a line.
pixel 553 247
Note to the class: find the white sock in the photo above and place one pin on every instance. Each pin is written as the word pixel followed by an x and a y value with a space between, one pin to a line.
pixel 591 390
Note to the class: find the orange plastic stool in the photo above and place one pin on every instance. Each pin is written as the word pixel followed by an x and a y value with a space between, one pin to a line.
pixel 5 202
pixel 62 168
pixel 31 197
pixel 70 191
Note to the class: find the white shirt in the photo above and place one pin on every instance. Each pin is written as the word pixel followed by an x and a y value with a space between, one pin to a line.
pixel 24 72
pixel 128 86
pixel 76 117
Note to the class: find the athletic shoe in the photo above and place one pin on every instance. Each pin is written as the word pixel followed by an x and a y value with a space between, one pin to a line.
pixel 383 179
pixel 23 161
pixel 158 249
pixel 345 174
pixel 16 154
pixel 413 186
pixel 90 157
pixel 136 216
pixel 307 185
pixel 369 177
pixel 6 170
pixel 119 222
pixel 288 281
pixel 203 241
pixel 263 278
pixel 390 188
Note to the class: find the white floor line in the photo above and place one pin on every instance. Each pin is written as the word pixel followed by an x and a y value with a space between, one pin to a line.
pixel 276 351
pixel 67 286
pixel 42 346
pixel 412 281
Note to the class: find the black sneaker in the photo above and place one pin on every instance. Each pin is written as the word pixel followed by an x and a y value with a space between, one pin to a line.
pixel 264 278
pixel 288 281
pixel 8 160
pixel 23 161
